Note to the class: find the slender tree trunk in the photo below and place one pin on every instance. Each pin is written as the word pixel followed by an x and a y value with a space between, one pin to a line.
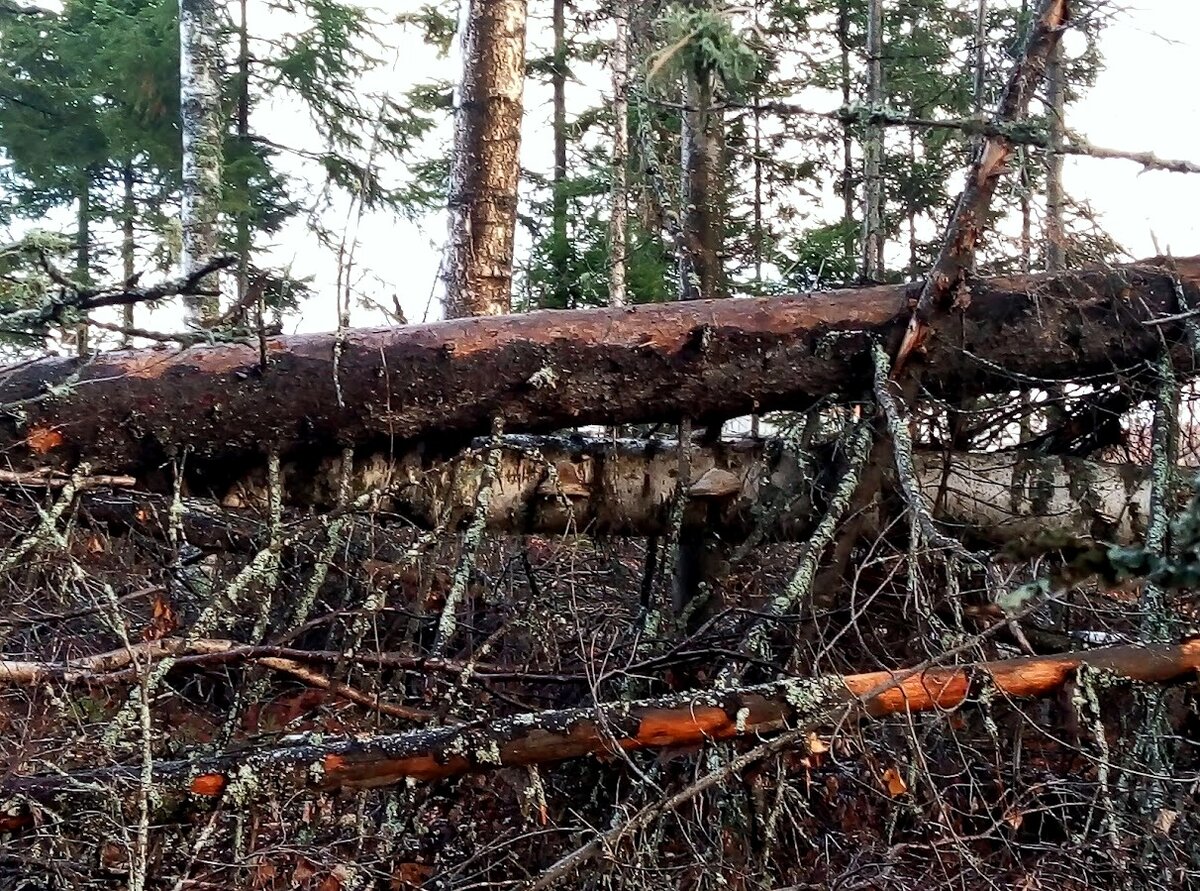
pixel 980 63
pixel 561 295
pixel 873 149
pixel 128 214
pixel 485 169
pixel 83 253
pixel 701 263
pixel 847 184
pixel 618 224
pixel 203 132
pixel 1055 243
pixel 243 245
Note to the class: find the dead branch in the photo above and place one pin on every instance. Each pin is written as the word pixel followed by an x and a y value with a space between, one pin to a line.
pixel 966 223
pixel 1016 132
pixel 550 736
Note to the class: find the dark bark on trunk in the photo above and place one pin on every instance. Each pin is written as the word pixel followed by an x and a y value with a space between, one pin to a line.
pixel 552 736
pixel 131 411
pixel 83 254
pixel 128 214
pixel 558 81
pixel 847 183
pixel 243 244
pixel 701 263
pixel 1055 231
pixel 873 234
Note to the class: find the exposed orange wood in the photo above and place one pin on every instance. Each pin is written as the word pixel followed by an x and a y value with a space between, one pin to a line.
pixel 682 720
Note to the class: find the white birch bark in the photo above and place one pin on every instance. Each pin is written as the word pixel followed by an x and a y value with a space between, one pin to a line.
pixel 203 132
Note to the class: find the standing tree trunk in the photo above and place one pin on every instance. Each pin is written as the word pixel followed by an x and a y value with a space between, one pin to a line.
pixel 873 150
pixel 618 224
pixel 701 268
pixel 701 274
pixel 1055 244
pixel 561 293
pixel 128 213
pixel 200 107
pixel 83 253
pixel 485 171
pixel 847 184
pixel 243 243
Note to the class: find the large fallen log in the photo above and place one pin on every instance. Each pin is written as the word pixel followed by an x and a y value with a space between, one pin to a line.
pixel 565 485
pixel 213 408
pixel 551 736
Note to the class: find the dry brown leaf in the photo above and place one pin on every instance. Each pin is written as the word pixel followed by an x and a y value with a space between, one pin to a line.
pixel 44 439
pixel 894 782
pixel 163 620
pixel 407 876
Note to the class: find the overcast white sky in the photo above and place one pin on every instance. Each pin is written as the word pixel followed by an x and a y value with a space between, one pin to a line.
pixel 1144 100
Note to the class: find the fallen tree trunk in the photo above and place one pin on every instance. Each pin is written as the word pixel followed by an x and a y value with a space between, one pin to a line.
pixel 212 407
pixel 551 736
pixel 564 485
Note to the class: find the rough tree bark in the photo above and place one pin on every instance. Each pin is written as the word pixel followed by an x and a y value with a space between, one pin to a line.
pixel 485 170
pixel 128 216
pixel 131 411
pixel 200 109
pixel 1056 107
pixel 560 297
pixel 966 224
pixel 702 144
pixel 601 730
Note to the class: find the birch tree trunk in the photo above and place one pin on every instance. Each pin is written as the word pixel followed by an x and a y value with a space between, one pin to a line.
pixel 485 170
pixel 203 132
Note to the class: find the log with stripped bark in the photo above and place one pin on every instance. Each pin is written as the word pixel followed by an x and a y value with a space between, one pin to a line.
pixel 602 730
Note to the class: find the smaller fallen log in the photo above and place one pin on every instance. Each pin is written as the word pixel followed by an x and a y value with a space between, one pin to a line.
pixel 565 485
pixel 551 736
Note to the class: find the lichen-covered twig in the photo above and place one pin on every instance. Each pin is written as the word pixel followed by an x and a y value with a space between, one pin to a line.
pixel 792 598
